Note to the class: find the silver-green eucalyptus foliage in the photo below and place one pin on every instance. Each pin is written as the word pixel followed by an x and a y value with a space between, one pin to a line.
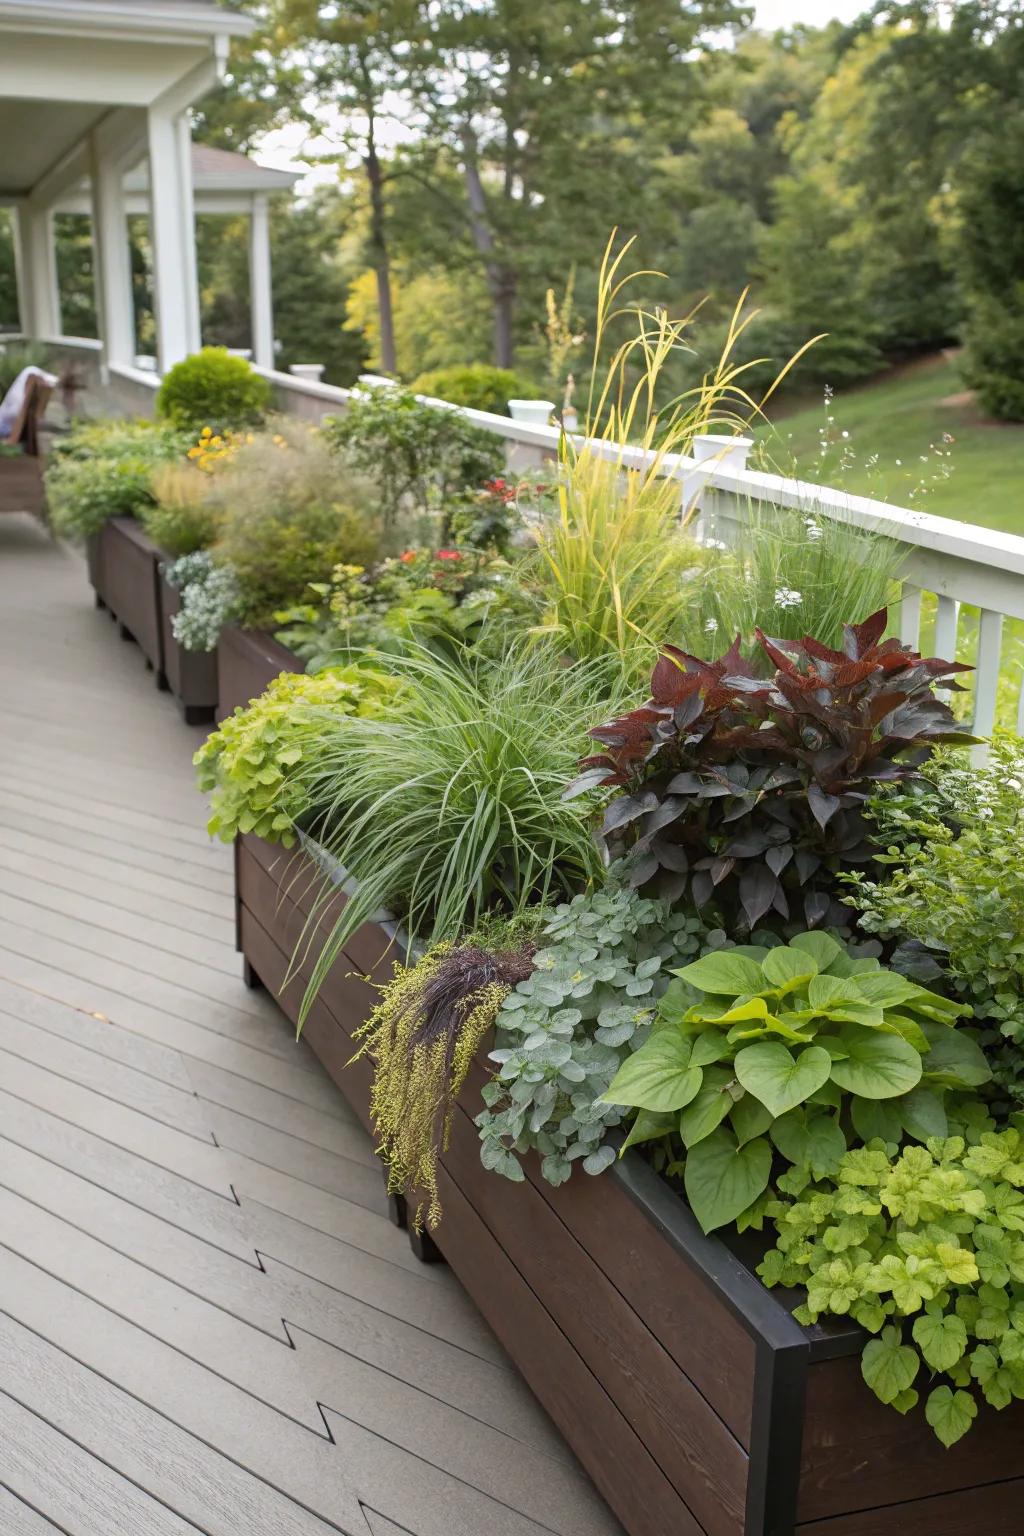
pixel 564 1032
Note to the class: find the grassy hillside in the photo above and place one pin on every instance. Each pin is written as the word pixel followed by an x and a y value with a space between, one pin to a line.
pixel 896 447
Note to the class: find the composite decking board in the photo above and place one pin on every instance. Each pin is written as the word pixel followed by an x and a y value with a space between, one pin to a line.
pixel 292 1072
pixel 121 994
pixel 50 1471
pixel 196 1251
pixel 177 1107
pixel 222 1498
pixel 100 914
pixel 125 878
pixel 182 969
pixel 110 1040
pixel 19 1519
pixel 211 858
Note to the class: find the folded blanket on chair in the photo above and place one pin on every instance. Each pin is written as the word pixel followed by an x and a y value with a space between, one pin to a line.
pixel 13 402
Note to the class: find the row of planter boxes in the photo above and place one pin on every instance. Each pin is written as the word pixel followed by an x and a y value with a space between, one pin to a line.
pixel 126 573
pixel 694 1401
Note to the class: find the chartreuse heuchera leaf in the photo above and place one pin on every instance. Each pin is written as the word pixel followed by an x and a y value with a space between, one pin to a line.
pixel 792 1043
pixel 924 1250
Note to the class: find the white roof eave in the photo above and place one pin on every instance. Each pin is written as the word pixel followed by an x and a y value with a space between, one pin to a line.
pixel 152 20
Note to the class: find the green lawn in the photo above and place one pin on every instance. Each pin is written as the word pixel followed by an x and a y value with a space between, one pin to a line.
pixel 896 449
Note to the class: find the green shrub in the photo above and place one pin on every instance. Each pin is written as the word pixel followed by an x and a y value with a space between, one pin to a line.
pixel 289 510
pixel 212 388
pixel 480 386
pixel 251 764
pixel 954 884
pixel 934 1237
pixel 421 457
pixel 182 518
pixel 450 804
pixel 105 469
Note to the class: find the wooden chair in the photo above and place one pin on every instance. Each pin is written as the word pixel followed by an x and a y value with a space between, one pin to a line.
pixel 21 474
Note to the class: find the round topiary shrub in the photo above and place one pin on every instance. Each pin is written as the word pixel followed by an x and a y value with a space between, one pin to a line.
pixel 476 385
pixel 212 389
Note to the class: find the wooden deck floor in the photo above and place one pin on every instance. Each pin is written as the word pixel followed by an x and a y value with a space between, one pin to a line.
pixel 206 1321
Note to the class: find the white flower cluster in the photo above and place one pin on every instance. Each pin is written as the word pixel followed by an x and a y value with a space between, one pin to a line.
pixel 210 598
pixel 785 597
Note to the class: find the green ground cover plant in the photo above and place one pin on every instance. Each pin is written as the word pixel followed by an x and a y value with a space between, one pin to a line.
pixel 106 469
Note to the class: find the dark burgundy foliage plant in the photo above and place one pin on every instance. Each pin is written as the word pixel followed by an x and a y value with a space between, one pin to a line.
pixel 745 792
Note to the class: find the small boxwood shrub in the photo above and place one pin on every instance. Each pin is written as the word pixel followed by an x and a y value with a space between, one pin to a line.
pixel 212 389
pixel 479 386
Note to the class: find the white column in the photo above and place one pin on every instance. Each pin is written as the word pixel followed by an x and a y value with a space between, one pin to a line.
pixel 172 236
pixel 260 289
pixel 111 257
pixel 38 296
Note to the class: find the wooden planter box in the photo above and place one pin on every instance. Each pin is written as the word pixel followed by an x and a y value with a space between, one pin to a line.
pixel 247 662
pixel 695 1402
pixel 127 564
pixel 191 675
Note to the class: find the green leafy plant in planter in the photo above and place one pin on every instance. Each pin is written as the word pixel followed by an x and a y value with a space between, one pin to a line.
pixel 251 765
pixel 210 598
pixel 952 884
pixel 926 1251
pixel 792 1050
pixel 602 962
pixel 420 456
pixel 212 389
pixel 181 518
pixel 104 470
pixel 746 794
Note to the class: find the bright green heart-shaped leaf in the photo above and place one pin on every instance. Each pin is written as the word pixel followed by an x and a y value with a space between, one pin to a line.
pixel 941 1340
pixel 723 1179
pixel 950 1414
pixel 875 1118
pixel 724 972
pixel 658 1076
pixel 876 1065
pixel 888 1365
pixel 909 1029
pixel 756 1008
pixel 955 1058
pixel 779 1077
pixel 887 989
pixel 707 1048
pixel 810 1139
pixel 647 1126
pixel 821 946
pixel 749 1118
pixel 827 992
pixel 788 968
pixel 923 1114
pixel 710 1107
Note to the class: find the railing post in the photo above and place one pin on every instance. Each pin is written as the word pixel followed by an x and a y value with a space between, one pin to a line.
pixel 910 615
pixel 697 490
pixel 986 685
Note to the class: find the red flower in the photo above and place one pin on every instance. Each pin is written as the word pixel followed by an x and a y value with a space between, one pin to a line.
pixel 408 557
pixel 448 554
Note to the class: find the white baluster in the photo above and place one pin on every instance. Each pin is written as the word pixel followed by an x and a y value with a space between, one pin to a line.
pixel 910 615
pixel 1020 708
pixel 986 683
pixel 947 620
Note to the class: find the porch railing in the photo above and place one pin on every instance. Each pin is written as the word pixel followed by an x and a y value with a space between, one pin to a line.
pixel 949 567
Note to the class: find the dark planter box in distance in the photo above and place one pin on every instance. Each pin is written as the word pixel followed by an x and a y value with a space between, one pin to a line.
pixel 695 1402
pixel 127 563
pixel 247 662
pixel 191 675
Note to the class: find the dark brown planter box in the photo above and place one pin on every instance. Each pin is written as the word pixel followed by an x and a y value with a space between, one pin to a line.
pixel 693 1399
pixel 191 675
pixel 247 661
pixel 128 566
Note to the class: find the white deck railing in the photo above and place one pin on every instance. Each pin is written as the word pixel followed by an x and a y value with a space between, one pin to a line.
pixel 960 563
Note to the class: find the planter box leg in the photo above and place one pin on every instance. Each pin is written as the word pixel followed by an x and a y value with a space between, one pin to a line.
pixel 197 714
pixel 425 1249
pixel 398 1211
pixel 250 977
pixel 162 685
pixel 98 601
pixel 125 632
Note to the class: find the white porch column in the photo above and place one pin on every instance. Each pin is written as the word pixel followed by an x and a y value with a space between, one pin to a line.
pixel 111 258
pixel 260 290
pixel 38 295
pixel 172 235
